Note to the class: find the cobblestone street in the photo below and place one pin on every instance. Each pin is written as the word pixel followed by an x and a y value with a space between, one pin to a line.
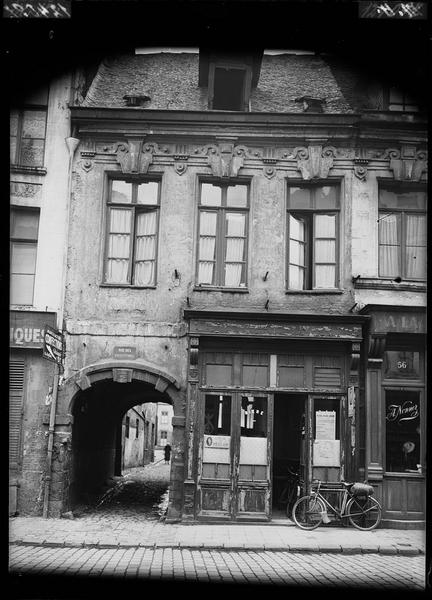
pixel 212 566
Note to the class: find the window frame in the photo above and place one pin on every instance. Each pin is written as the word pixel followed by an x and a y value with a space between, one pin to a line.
pixel 406 101
pixel 26 241
pixel 401 215
pixel 308 214
pixel 20 111
pixel 220 236
pixel 247 83
pixel 135 181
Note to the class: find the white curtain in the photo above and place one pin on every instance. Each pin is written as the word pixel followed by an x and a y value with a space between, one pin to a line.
pixel 205 272
pixel 119 246
pixel 207 248
pixel 416 246
pixel 325 226
pixel 325 276
pixel 233 275
pixel 296 278
pixel 235 223
pixel 145 248
pixel 388 231
pixel 325 251
pixel 235 227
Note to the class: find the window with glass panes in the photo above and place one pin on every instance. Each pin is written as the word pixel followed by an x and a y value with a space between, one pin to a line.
pixel 398 100
pixel 132 233
pixel 223 228
pixel 402 233
pixel 312 226
pixel 24 227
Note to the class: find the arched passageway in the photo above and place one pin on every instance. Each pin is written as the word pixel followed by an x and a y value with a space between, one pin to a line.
pixel 99 439
pixel 101 399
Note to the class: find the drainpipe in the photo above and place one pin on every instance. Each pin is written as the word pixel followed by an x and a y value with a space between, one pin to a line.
pixel 71 144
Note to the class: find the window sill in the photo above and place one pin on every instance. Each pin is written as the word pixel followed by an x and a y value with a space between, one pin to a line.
pixel 412 473
pixel 330 291
pixel 27 169
pixel 202 288
pixel 127 286
pixel 389 284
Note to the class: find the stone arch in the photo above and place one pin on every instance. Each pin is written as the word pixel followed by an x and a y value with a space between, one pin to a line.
pixel 121 371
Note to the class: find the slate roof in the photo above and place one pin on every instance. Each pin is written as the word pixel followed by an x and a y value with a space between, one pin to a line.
pixel 171 81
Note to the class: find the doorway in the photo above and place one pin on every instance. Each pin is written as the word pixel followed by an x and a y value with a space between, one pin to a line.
pixel 288 446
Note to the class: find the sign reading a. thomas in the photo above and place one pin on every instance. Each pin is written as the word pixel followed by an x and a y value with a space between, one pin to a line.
pixel 27 328
pixel 53 345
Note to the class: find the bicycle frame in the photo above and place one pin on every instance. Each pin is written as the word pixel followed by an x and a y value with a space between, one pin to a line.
pixel 340 513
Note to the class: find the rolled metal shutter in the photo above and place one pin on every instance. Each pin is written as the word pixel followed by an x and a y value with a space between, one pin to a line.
pixel 16 392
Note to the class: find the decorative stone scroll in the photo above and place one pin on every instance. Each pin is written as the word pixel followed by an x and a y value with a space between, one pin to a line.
pixel 315 161
pixel 377 344
pixel 225 159
pixel 134 156
pixel 407 164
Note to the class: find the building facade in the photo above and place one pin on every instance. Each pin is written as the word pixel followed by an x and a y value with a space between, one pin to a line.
pixel 247 244
pixel 40 159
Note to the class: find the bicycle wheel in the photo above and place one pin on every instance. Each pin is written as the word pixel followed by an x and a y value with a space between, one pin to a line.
pixel 364 512
pixel 307 512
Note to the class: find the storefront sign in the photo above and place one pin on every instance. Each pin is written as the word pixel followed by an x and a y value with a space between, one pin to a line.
pixel 402 412
pixel 53 345
pixel 27 328
pixel 325 428
pixel 400 321
pixel 124 352
pixel 217 441
pixel 326 453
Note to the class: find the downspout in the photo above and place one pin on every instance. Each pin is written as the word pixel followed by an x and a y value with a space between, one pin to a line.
pixel 71 144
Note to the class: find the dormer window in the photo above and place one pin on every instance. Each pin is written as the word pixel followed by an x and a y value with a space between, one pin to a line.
pixel 229 78
pixel 400 101
pixel 229 87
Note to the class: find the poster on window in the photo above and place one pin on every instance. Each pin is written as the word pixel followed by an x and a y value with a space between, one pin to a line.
pixel 325 425
pixel 326 453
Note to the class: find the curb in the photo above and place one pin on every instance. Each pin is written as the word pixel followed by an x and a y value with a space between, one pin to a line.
pixel 328 549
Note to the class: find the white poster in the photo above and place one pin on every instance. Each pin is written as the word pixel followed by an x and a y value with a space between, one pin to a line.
pixel 326 453
pixel 325 425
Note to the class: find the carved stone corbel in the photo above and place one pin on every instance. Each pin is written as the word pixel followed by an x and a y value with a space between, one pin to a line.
pixel 193 357
pixel 181 155
pixel 225 160
pixel 269 159
pixel 377 344
pixel 407 164
pixel 360 164
pixel 134 156
pixel 315 161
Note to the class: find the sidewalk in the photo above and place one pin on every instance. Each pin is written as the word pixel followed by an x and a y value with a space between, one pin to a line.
pixel 115 532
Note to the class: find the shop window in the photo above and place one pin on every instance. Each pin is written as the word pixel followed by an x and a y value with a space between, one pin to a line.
pixel 402 364
pixel 312 237
pixel 253 438
pixel 24 237
pixel 217 415
pixel 326 430
pixel 217 437
pixel 132 233
pixel 402 419
pixel 223 228
pixel 229 87
pixel 291 370
pixel 402 233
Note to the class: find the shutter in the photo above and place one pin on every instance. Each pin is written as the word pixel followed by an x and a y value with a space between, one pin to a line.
pixel 327 377
pixel 16 390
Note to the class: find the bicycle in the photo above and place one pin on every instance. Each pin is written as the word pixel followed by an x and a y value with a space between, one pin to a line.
pixel 357 505
pixel 290 492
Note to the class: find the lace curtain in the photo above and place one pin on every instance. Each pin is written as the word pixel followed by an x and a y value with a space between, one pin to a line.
pixel 235 241
pixel 145 248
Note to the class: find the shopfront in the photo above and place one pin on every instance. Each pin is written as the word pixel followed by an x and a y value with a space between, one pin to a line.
pixel 267 395
pixel 396 412
pixel 30 377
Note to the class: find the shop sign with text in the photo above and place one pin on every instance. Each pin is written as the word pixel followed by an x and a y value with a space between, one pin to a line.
pixel 27 328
